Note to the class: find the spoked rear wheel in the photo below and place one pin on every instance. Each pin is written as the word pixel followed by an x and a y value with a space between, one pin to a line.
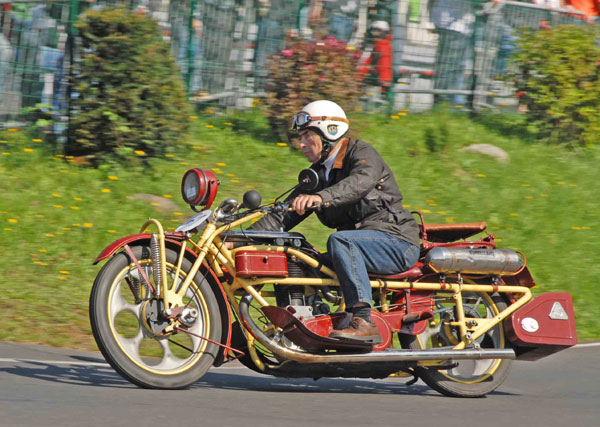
pixel 128 324
pixel 469 378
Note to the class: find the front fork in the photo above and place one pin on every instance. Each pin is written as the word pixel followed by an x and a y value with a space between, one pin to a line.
pixel 171 293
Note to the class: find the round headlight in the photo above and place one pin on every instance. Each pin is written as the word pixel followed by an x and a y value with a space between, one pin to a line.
pixel 199 187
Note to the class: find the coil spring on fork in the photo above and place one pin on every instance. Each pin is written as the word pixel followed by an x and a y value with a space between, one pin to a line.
pixel 156 270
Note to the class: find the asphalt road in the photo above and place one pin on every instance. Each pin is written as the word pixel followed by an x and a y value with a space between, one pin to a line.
pixel 43 386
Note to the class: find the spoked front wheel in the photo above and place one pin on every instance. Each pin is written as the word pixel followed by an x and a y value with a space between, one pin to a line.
pixel 462 378
pixel 129 323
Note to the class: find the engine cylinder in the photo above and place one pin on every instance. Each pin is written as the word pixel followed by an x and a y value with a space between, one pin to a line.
pixel 500 262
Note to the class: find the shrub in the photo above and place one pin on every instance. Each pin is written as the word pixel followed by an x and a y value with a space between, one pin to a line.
pixel 308 71
pixel 557 78
pixel 129 96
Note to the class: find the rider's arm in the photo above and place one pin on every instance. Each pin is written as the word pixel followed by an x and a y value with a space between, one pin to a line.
pixel 280 221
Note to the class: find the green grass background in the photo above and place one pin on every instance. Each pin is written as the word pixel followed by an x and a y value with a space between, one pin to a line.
pixel 56 215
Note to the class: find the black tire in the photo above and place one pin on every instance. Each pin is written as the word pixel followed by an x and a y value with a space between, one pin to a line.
pixel 472 378
pixel 115 314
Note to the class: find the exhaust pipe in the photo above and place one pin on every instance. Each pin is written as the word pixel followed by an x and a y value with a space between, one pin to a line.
pixel 376 356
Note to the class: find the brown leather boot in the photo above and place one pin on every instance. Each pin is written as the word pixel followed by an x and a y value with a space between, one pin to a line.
pixel 360 330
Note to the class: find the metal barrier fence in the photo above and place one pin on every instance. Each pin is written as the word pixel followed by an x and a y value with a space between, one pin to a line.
pixel 414 52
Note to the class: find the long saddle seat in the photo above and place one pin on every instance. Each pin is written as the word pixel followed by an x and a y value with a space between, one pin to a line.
pixel 443 233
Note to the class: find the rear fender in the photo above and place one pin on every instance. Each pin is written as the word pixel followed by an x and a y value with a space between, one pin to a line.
pixel 207 272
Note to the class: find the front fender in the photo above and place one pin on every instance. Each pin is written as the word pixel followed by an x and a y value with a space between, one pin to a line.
pixel 118 244
pixel 205 270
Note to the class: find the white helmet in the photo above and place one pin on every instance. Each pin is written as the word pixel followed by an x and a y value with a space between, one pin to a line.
pixel 381 26
pixel 326 117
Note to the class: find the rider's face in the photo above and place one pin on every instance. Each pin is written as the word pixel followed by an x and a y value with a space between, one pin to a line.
pixel 311 145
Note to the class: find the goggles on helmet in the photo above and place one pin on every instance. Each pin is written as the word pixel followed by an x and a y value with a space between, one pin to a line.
pixel 303 119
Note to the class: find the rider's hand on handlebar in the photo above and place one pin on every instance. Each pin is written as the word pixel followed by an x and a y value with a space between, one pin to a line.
pixel 306 201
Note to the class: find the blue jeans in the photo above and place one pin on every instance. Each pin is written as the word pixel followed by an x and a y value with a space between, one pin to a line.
pixel 356 253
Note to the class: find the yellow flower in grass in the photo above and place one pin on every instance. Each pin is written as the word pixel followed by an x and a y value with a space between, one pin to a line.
pixel 65 272
pixel 529 197
pixel 217 170
pixel 7 229
pixel 28 150
pixel 449 219
pixel 575 228
pixel 79 199
pixel 62 278
pixel 514 214
pixel 168 196
pixel 209 126
pixel 36 140
pixel 105 190
pixel 184 163
pixel 112 177
pixel 228 124
pixel 88 224
pixel 42 250
pixel 193 117
pixel 75 208
pixel 56 195
pixel 394 117
pixel 586 228
pixel 12 220
pixel 235 181
pixel 282 144
pixel 49 235
pixel 481 175
pixel 168 156
pixel 5 153
pixel 222 164
pixel 140 152
pixel 178 213
pixel 59 206
pixel 111 231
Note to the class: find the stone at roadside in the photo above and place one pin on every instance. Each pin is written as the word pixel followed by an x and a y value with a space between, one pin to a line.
pixel 488 150
pixel 161 203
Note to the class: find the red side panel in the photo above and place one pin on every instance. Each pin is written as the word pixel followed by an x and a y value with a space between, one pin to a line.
pixel 260 263
pixel 543 326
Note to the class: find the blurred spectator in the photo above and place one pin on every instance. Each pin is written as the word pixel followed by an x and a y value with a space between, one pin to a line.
pixel 377 66
pixel 454 21
pixel 590 8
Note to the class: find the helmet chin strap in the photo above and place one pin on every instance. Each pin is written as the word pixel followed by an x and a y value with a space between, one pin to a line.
pixel 327 147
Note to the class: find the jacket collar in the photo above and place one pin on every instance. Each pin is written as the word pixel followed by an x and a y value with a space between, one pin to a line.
pixel 339 160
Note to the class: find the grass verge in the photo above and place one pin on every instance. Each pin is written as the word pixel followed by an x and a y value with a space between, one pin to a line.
pixel 57 215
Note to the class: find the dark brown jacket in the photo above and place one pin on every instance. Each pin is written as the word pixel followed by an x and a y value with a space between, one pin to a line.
pixel 361 194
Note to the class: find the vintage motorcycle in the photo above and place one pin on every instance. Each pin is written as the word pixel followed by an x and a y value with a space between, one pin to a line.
pixel 166 307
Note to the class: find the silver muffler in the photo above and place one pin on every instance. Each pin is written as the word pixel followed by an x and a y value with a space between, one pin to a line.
pixel 376 356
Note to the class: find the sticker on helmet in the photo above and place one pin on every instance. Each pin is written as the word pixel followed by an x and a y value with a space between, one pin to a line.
pixel 332 129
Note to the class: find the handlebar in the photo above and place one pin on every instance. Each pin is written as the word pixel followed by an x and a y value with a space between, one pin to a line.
pixel 278 207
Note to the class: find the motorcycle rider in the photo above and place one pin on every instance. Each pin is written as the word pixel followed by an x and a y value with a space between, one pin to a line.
pixel 358 195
